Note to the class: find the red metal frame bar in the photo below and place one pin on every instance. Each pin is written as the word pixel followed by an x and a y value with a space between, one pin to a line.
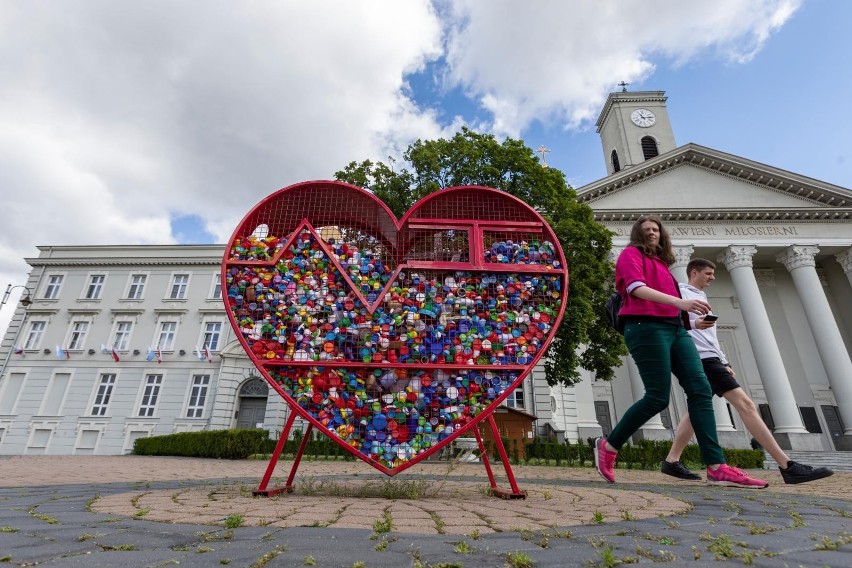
pixel 515 492
pixel 273 461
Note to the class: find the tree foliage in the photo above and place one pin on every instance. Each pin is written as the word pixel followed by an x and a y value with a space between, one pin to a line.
pixel 468 158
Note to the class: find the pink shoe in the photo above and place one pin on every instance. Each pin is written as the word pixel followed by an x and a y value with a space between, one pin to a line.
pixel 733 477
pixel 605 460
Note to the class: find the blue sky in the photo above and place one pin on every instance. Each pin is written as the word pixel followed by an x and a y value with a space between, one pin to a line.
pixel 160 122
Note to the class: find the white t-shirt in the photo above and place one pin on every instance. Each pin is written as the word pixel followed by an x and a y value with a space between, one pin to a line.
pixel 705 339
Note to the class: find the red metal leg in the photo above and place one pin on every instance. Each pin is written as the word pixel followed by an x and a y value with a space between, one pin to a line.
pixel 273 461
pixel 515 493
pixel 485 461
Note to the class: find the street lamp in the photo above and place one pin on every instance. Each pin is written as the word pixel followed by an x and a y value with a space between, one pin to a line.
pixel 25 301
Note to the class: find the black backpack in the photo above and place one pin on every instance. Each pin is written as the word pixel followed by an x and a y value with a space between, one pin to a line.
pixel 613 306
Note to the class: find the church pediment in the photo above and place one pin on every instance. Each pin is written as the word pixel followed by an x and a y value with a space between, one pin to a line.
pixel 694 178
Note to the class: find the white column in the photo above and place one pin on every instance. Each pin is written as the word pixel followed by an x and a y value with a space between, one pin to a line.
pixel 584 399
pixel 682 256
pixel 800 262
pixel 776 384
pixel 845 260
pixel 638 389
pixel 723 417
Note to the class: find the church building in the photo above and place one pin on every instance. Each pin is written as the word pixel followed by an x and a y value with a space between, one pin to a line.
pixel 121 342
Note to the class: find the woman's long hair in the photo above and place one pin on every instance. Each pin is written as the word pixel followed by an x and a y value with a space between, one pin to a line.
pixel 663 250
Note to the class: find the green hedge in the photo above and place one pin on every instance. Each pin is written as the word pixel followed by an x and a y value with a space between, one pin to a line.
pixel 647 454
pixel 319 445
pixel 223 444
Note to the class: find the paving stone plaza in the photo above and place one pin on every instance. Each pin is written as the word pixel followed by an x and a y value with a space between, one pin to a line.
pixel 148 511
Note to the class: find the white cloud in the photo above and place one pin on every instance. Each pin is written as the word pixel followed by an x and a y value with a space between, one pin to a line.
pixel 117 116
pixel 555 60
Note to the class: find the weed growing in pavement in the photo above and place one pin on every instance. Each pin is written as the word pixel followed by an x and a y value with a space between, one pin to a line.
pixel 225 561
pixel 268 557
pixel 87 536
pixel 608 559
pixel 383 525
pixel 519 560
pixel 626 515
pixel 46 518
pixel 382 546
pixel 309 561
pixel 798 521
pixel 660 556
pixel 234 521
pixel 462 547
pixel 439 522
pixel 8 530
pixel 141 513
pixel 597 518
pixel 118 547
pixel 475 535
pixel 827 543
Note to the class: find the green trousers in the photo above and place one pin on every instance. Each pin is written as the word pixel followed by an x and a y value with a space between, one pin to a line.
pixel 660 349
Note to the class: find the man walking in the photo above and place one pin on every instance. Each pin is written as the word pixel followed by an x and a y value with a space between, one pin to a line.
pixel 701 273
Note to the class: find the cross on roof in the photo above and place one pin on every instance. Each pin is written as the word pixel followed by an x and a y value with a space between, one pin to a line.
pixel 542 150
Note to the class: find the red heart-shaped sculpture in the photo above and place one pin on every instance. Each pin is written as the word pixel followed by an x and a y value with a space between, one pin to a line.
pixel 393 337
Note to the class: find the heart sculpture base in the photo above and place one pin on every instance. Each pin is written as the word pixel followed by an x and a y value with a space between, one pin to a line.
pixel 393 337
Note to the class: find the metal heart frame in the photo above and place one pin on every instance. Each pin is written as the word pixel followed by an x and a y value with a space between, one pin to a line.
pixel 393 337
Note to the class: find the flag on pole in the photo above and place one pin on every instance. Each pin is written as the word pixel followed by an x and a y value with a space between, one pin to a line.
pixel 110 350
pixel 159 357
pixel 208 355
pixel 19 350
pixel 60 353
pixel 151 355
pixel 198 353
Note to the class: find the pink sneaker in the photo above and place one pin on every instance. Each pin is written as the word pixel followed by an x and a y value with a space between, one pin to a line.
pixel 605 460
pixel 733 477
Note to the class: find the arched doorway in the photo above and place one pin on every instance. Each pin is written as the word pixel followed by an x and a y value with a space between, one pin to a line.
pixel 252 404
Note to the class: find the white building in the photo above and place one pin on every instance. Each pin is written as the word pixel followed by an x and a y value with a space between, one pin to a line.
pixel 783 292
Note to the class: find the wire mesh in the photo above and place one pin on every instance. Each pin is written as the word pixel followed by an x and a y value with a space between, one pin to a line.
pixel 393 340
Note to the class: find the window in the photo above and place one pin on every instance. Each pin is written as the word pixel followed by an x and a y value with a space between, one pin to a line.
pixel 54 283
pixel 649 148
pixel 179 284
pixel 166 341
pixel 150 395
pixel 212 332
pixel 616 167
pixel 121 339
pixel 197 396
pixel 217 287
pixel 35 334
pixel 516 398
pixel 96 284
pixel 79 329
pixel 103 395
pixel 137 286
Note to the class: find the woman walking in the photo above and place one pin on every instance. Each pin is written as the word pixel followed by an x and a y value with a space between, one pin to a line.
pixel 660 346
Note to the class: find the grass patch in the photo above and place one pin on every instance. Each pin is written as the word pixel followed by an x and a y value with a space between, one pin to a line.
pixel 519 560
pixel 234 521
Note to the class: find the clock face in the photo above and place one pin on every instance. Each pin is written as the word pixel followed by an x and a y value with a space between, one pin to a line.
pixel 643 117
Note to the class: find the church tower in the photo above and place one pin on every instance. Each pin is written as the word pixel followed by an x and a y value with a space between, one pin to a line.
pixel 634 127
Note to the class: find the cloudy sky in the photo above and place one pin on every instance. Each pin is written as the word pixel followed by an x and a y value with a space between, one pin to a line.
pixel 164 122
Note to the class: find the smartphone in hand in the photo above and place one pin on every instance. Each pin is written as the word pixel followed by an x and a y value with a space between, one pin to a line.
pixel 710 317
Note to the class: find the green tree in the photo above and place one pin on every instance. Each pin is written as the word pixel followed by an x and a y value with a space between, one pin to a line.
pixel 584 339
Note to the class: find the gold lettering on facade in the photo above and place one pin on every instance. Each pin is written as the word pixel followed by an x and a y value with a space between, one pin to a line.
pixel 706 231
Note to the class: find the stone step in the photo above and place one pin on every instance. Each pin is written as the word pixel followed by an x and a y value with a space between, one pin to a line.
pixel 839 461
